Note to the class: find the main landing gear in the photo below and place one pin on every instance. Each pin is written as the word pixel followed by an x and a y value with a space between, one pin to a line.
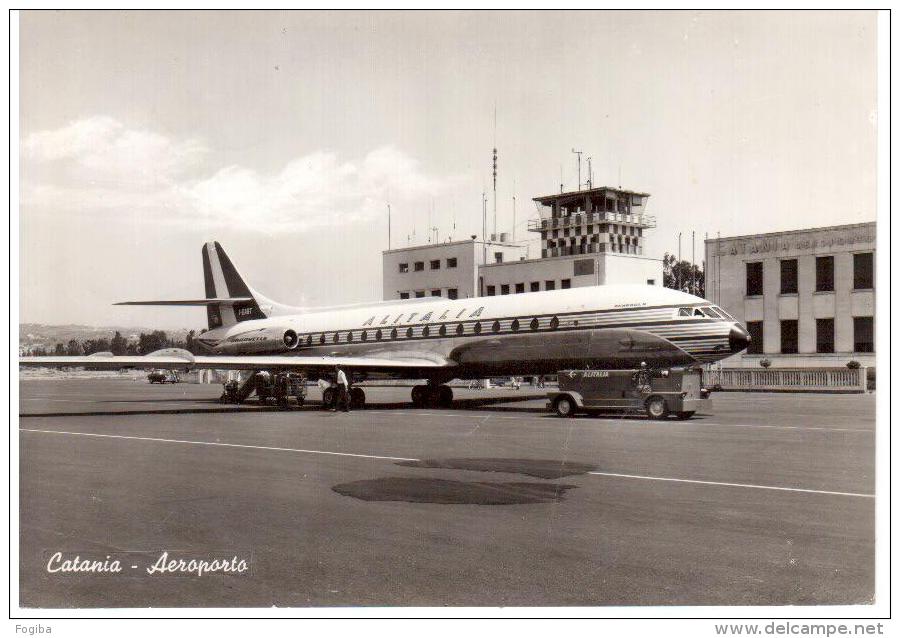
pixel 357 397
pixel 432 396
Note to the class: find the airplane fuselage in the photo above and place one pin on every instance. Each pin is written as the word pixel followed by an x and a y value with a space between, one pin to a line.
pixel 532 333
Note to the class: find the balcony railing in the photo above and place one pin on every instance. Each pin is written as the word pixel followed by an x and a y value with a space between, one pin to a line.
pixel 580 219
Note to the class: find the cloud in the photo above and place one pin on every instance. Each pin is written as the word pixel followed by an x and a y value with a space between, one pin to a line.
pixel 97 166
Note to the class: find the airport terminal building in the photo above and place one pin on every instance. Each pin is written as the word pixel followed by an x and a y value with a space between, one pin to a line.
pixel 807 296
pixel 588 238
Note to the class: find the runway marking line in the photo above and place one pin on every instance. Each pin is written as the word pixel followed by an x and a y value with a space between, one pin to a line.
pixel 724 484
pixel 400 458
pixel 219 444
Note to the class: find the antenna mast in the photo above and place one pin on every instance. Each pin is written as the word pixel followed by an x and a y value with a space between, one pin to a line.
pixel 495 169
pixel 578 153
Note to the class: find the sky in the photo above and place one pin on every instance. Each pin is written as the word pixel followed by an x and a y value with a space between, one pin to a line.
pixel 285 135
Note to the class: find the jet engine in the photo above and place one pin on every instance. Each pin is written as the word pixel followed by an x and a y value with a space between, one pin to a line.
pixel 261 341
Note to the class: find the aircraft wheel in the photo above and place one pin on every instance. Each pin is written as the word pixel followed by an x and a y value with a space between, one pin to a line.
pixel 685 415
pixel 357 398
pixel 657 408
pixel 565 407
pixel 420 396
pixel 328 398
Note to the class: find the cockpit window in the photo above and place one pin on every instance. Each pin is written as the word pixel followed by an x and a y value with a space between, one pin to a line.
pixel 685 312
pixel 725 315
pixel 698 312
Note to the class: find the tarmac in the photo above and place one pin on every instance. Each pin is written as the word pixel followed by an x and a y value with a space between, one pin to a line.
pixel 766 499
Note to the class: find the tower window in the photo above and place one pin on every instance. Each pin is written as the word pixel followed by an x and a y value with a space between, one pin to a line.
pixel 788 276
pixel 863 271
pixel 754 279
pixel 825 274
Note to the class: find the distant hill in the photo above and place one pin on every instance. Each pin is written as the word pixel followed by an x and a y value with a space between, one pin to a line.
pixel 41 334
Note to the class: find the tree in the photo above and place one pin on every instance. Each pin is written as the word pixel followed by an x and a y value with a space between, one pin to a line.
pixel 190 342
pixel 152 342
pixel 118 344
pixel 682 275
pixel 90 346
pixel 74 349
pixel 59 350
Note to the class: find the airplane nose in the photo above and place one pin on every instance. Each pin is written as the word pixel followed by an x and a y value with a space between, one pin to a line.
pixel 738 339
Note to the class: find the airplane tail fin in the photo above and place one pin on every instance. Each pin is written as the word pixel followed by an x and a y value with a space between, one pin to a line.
pixel 229 300
pixel 222 281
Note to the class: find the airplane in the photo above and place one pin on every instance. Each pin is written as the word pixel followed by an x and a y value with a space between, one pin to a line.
pixel 438 339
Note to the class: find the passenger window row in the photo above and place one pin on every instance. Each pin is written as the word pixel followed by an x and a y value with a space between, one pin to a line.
pixel 442 330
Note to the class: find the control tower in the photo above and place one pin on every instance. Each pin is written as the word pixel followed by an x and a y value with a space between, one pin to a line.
pixel 597 220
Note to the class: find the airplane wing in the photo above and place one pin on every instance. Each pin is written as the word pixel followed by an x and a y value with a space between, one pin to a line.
pixel 174 358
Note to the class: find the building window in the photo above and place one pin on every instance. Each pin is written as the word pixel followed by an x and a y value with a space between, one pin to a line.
pixel 451 262
pixel 498 258
pixel 435 264
pixel 404 267
pixel 863 333
pixel 824 335
pixel 863 272
pixel 491 291
pixel 754 279
pixel 535 286
pixel 452 293
pixel 755 330
pixel 566 283
pixel 520 288
pixel 504 289
pixel 789 336
pixel 549 285
pixel 436 293
pixel 584 266
pixel 404 295
pixel 420 294
pixel 825 274
pixel 419 266
pixel 788 276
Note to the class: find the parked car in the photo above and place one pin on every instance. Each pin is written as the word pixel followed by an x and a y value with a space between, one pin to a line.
pixel 162 376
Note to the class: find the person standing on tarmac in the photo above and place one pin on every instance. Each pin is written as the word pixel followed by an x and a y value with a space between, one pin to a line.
pixel 343 394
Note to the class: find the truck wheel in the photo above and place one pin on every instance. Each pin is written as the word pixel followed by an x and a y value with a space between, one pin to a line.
pixel 685 415
pixel 565 407
pixel 657 408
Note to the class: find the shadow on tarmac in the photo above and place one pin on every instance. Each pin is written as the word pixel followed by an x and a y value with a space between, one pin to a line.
pixel 447 492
